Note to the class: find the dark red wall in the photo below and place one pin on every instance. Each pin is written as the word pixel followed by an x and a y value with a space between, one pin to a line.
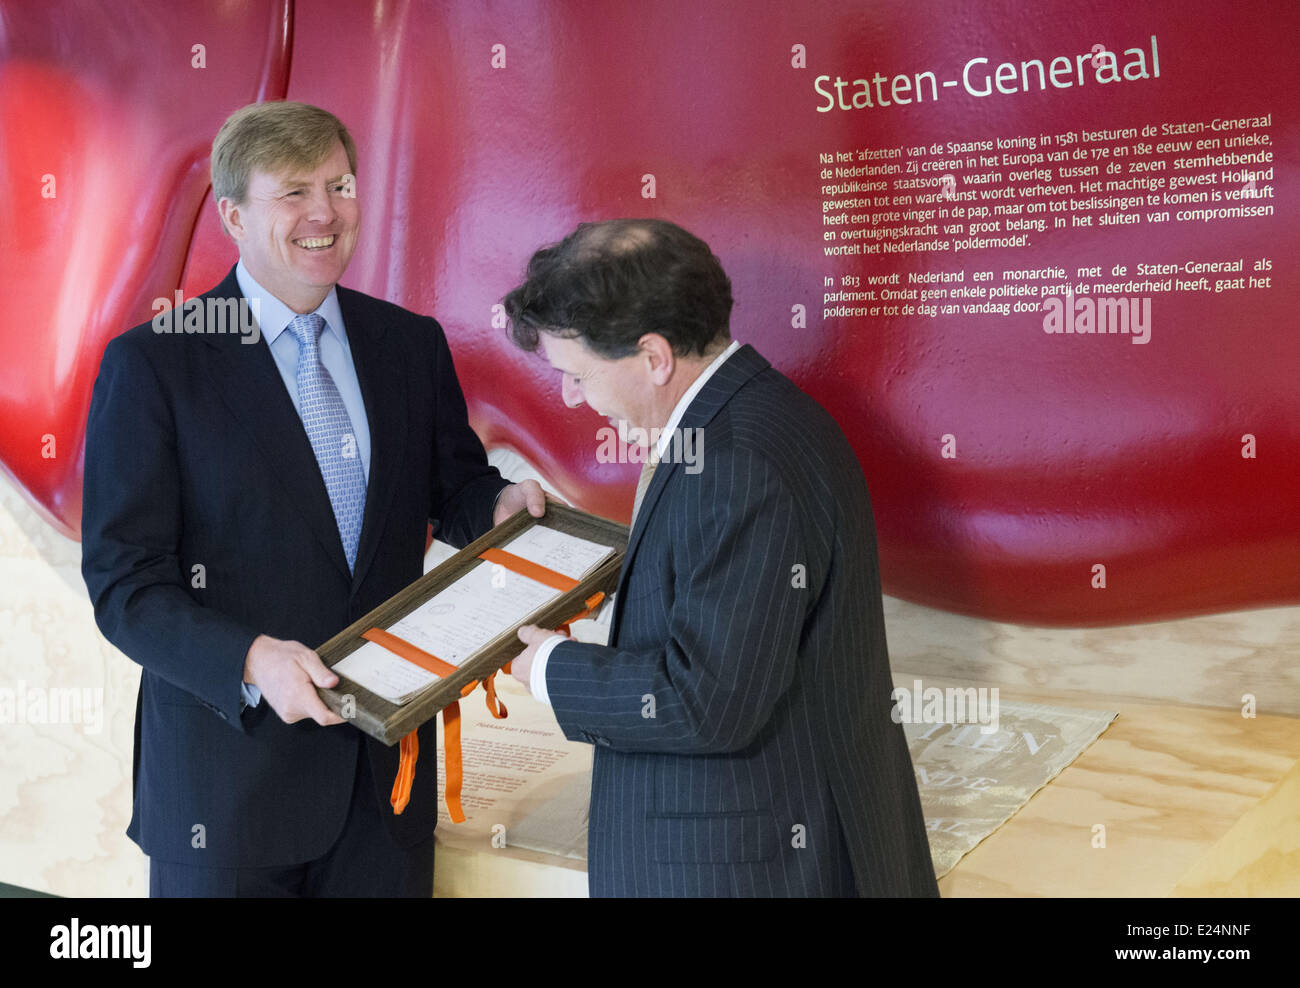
pixel 1071 451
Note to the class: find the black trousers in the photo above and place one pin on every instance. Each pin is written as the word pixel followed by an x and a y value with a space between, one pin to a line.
pixel 364 862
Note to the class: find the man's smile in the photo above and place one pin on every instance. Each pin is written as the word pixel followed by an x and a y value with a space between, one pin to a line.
pixel 316 243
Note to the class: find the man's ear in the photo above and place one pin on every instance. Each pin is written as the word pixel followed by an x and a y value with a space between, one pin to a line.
pixel 658 353
pixel 231 221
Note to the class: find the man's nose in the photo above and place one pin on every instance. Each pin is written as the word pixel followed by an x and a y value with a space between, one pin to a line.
pixel 321 207
pixel 571 393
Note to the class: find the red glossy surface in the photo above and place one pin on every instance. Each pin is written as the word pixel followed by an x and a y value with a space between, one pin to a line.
pixel 1070 451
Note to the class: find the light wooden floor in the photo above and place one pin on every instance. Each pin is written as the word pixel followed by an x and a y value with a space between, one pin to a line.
pixel 1193 801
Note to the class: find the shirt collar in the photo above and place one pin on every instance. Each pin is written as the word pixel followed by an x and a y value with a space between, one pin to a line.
pixel 666 437
pixel 274 316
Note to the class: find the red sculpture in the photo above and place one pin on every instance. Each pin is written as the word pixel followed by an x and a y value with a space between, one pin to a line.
pixel 485 131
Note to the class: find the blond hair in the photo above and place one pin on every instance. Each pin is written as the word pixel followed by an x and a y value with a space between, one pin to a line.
pixel 271 137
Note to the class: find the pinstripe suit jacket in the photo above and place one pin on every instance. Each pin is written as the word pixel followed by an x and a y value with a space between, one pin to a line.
pixel 741 714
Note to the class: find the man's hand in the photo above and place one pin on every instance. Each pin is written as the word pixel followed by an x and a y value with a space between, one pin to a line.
pixel 525 494
pixel 288 673
pixel 521 666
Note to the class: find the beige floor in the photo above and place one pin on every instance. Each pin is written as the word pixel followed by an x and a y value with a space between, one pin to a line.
pixel 1175 789
pixel 1189 801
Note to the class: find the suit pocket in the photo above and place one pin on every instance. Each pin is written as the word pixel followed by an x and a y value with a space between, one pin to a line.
pixel 713 838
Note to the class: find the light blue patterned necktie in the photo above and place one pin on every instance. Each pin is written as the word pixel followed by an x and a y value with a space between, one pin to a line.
pixel 325 418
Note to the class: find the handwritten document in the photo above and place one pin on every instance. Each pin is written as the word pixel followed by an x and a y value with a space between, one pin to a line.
pixel 462 618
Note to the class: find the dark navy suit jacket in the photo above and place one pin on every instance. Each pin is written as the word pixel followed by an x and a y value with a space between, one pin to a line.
pixel 741 715
pixel 196 457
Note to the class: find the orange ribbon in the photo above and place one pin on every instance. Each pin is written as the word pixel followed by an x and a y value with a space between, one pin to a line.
pixel 592 603
pixel 530 569
pixel 410 745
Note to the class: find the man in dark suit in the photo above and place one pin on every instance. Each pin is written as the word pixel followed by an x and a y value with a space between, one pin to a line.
pixel 243 503
pixel 741 712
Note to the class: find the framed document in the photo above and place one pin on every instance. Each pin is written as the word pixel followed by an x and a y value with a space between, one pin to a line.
pixel 406 660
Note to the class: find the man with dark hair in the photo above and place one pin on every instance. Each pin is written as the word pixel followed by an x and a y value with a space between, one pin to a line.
pixel 613 282
pixel 244 503
pixel 741 712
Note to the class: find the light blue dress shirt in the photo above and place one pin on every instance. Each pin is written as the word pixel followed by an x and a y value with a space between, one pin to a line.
pixel 336 357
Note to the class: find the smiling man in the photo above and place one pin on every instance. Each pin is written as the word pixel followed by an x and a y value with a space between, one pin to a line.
pixel 243 504
pixel 741 712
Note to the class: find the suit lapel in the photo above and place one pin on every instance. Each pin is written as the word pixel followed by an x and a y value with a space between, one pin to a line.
pixel 717 391
pixel 383 389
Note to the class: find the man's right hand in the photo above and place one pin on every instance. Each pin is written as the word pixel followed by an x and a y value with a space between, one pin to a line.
pixel 288 673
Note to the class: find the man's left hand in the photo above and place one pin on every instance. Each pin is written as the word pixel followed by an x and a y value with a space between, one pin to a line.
pixel 525 494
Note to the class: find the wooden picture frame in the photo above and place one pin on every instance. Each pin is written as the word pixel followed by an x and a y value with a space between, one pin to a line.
pixel 390 722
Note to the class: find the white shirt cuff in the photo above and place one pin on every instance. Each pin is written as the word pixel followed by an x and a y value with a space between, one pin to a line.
pixel 537 674
pixel 250 694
